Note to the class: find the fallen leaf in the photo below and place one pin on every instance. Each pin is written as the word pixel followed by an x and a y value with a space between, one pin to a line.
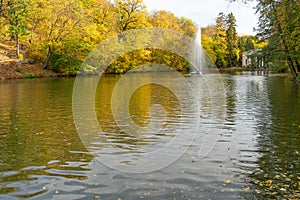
pixel 276 176
pixel 269 182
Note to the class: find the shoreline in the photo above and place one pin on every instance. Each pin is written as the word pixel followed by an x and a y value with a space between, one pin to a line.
pixel 18 70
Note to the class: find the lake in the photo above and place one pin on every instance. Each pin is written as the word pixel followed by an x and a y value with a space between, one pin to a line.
pixel 198 139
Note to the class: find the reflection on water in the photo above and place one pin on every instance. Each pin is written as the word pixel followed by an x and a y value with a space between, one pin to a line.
pixel 152 107
pixel 278 173
pixel 254 133
pixel 37 136
pixel 171 111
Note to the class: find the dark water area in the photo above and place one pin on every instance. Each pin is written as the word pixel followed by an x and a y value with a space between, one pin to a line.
pixel 247 145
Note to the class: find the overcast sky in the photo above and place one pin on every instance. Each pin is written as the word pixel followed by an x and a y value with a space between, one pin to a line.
pixel 204 12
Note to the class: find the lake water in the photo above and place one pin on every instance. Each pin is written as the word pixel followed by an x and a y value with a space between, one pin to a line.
pixel 238 141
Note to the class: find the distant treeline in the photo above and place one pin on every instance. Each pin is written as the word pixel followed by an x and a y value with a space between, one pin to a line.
pixel 60 34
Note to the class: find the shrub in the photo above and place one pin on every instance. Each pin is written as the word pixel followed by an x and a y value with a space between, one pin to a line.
pixel 31 74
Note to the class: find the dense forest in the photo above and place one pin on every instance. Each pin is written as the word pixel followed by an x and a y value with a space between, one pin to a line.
pixel 58 35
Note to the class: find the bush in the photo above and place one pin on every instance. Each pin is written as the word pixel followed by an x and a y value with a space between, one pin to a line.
pixel 63 64
pixel 31 75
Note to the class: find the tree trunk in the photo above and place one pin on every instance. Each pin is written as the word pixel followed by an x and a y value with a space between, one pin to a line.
pixel 297 65
pixel 48 58
pixel 293 70
pixel 287 51
pixel 17 46
pixel 289 59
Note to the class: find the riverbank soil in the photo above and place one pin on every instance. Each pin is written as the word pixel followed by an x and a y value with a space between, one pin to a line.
pixel 12 67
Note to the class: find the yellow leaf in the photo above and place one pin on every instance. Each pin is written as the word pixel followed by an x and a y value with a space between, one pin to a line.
pixel 227 181
pixel 277 176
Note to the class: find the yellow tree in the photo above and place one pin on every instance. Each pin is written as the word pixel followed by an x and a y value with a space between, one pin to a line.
pixel 130 14
pixel 187 26
pixel 208 41
pixel 52 22
pixel 101 21
pixel 164 19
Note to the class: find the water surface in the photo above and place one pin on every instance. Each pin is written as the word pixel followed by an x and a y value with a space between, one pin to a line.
pixel 249 137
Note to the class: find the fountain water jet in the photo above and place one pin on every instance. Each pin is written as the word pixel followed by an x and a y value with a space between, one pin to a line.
pixel 198 56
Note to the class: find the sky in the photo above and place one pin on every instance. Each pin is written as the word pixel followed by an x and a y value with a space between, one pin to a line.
pixel 204 12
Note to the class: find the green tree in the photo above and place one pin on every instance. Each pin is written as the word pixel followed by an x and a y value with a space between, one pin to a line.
pixel 15 12
pixel 279 23
pixel 232 41
pixel 219 37
pixel 246 43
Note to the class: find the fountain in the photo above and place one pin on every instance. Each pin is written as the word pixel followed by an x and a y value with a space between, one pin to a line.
pixel 197 56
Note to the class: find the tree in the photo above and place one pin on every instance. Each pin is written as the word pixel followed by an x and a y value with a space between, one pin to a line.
pixel 130 14
pixel 165 19
pixel 3 4
pixel 232 41
pixel 219 37
pixel 60 34
pixel 208 45
pixel 53 22
pixel 15 12
pixel 208 41
pixel 102 20
pixel 246 43
pixel 279 23
pixel 187 27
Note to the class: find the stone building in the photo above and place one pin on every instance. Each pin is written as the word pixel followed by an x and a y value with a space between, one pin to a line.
pixel 253 59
